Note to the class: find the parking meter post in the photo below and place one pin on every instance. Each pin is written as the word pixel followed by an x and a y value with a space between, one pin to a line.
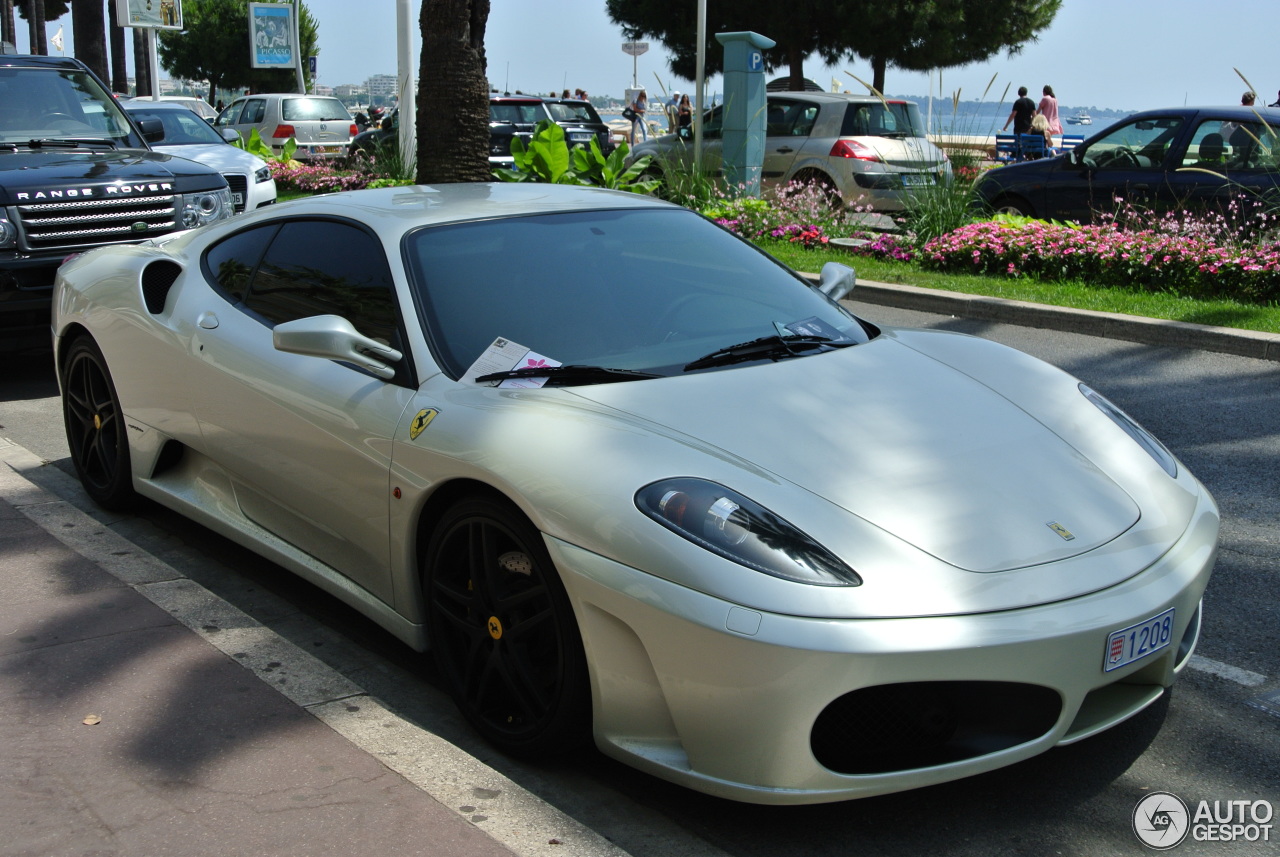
pixel 742 155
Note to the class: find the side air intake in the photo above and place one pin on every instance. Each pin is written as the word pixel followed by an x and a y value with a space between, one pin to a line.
pixel 157 279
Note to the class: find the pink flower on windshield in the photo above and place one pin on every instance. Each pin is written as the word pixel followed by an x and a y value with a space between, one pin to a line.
pixel 534 364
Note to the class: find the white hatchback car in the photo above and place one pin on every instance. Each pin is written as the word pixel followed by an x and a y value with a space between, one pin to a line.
pixel 187 135
pixel 322 126
pixel 867 150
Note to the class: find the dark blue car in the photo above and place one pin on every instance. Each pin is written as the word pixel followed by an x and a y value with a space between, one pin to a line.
pixel 1180 158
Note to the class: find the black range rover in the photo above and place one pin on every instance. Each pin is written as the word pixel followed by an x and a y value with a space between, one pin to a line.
pixel 76 173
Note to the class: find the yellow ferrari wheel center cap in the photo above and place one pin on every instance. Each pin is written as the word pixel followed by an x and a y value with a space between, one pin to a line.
pixel 495 628
pixel 97 422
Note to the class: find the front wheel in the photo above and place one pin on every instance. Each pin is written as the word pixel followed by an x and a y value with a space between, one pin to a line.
pixel 1014 206
pixel 95 427
pixel 502 630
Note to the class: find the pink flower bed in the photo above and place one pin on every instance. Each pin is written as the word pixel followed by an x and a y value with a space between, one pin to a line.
pixel 1191 265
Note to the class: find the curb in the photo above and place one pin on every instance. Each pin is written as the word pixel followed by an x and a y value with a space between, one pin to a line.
pixel 484 797
pixel 1131 328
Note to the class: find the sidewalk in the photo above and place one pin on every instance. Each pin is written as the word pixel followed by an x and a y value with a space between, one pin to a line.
pixel 141 715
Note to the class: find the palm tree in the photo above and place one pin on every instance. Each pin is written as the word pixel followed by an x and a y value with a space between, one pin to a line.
pixel 89 19
pixel 453 93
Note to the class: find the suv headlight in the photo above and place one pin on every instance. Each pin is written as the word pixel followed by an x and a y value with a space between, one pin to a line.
pixel 726 523
pixel 205 207
pixel 8 235
pixel 1141 436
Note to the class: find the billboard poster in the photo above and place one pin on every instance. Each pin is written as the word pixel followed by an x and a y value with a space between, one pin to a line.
pixel 271 36
pixel 150 14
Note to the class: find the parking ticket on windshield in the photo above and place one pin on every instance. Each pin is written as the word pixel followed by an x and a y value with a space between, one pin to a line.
pixel 503 355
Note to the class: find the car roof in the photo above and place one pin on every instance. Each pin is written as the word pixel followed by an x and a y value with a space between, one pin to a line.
pixel 525 99
pixel 398 209
pixel 1227 111
pixel 32 61
pixel 837 97
pixel 148 104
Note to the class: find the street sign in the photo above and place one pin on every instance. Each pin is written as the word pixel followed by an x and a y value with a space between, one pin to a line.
pixel 634 49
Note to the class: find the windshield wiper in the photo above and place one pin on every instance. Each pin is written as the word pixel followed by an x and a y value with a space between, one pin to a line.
pixel 70 142
pixel 766 348
pixel 561 375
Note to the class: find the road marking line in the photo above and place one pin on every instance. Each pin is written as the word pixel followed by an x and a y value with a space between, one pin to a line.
pixel 1230 673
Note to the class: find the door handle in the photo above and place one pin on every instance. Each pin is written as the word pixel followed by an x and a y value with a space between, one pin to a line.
pixel 782 150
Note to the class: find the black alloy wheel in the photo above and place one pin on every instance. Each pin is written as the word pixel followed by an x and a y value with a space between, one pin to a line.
pixel 95 427
pixel 502 630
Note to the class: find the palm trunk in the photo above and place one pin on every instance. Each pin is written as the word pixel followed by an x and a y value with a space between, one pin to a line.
pixel 119 67
pixel 453 93
pixel 141 64
pixel 87 16
pixel 36 23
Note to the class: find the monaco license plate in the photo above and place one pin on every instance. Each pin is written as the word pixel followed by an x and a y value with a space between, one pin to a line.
pixel 1137 641
pixel 916 179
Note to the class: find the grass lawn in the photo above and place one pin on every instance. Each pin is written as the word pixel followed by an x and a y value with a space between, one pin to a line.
pixel 1076 294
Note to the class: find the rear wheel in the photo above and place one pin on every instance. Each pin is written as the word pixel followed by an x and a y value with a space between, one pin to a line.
pixel 95 427
pixel 502 630
pixel 825 186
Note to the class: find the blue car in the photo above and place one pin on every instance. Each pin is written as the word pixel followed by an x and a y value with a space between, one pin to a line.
pixel 1166 160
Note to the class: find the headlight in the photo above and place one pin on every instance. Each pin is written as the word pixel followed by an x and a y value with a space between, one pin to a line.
pixel 8 235
pixel 199 209
pixel 1144 438
pixel 726 523
pixel 262 174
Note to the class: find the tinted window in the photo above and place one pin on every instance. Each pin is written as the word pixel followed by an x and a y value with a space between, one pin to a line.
pixel 648 290
pixel 319 267
pixel 572 112
pixel 790 118
pixel 181 127
pixel 231 115
pixel 254 111
pixel 230 264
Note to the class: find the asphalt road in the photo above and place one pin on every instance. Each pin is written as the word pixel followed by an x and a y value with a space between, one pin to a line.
pixel 1217 737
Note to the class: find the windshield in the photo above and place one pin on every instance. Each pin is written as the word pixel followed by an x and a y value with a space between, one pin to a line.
pixel 563 111
pixel 181 127
pixel 887 119
pixel 42 103
pixel 306 109
pixel 649 291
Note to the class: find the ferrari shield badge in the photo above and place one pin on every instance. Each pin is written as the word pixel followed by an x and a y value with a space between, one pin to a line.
pixel 1066 534
pixel 420 421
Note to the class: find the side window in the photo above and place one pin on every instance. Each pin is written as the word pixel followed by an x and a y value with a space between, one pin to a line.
pixel 1140 145
pixel 321 267
pixel 254 111
pixel 805 117
pixel 1208 146
pixel 230 264
pixel 231 115
pixel 713 127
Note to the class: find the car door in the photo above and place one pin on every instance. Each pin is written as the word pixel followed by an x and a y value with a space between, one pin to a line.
pixel 788 124
pixel 1128 163
pixel 305 441
pixel 1228 167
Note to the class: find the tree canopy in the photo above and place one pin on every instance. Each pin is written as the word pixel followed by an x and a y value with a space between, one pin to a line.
pixel 214 46
pixel 917 35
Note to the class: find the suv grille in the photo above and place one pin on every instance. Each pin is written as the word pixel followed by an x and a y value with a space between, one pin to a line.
pixel 91 222
pixel 239 189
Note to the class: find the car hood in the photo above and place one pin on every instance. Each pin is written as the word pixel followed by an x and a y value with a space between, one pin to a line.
pixel 222 157
pixel 33 175
pixel 906 443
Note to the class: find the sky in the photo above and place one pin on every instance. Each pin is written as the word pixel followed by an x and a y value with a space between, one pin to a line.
pixel 1119 54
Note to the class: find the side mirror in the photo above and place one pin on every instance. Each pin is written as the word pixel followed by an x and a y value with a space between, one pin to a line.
pixel 231 135
pixel 152 129
pixel 332 336
pixel 837 281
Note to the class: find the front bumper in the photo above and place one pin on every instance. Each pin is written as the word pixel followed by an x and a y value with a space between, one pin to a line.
pixel 731 701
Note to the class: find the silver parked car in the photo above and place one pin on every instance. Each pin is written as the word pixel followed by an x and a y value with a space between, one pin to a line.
pixel 682 501
pixel 187 135
pixel 322 126
pixel 869 151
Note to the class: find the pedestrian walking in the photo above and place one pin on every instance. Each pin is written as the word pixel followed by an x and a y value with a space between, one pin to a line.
pixel 1023 109
pixel 1049 110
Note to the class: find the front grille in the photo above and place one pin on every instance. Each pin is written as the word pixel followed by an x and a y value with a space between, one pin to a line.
pixel 898 727
pixel 93 222
pixel 239 189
